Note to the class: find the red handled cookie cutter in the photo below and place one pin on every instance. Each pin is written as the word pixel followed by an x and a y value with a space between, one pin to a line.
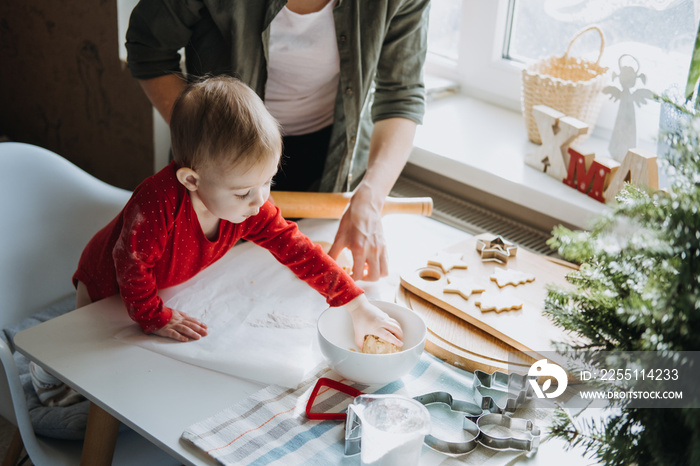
pixel 335 385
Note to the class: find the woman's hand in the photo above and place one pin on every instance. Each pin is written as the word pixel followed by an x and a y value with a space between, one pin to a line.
pixel 361 231
pixel 360 228
pixel 368 319
pixel 182 327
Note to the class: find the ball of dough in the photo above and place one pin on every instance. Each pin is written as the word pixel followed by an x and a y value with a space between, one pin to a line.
pixel 375 345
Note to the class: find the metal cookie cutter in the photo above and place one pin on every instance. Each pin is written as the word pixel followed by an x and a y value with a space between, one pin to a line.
pixel 353 434
pixel 459 442
pixel 526 435
pixel 501 392
pixel 496 250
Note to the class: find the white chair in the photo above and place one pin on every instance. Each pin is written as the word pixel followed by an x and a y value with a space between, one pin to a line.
pixel 50 211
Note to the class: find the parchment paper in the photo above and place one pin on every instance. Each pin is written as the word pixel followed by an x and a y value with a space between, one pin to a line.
pixel 261 318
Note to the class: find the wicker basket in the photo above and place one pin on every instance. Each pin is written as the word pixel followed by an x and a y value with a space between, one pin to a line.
pixel 570 85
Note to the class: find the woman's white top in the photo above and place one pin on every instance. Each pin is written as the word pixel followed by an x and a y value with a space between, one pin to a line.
pixel 303 70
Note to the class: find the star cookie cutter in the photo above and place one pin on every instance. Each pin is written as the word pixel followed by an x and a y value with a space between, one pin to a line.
pixel 496 250
pixel 526 435
pixel 505 391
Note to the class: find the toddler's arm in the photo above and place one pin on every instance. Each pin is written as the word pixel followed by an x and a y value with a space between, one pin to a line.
pixel 368 319
pixel 182 327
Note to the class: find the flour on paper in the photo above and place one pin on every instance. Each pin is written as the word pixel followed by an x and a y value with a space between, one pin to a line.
pixel 278 320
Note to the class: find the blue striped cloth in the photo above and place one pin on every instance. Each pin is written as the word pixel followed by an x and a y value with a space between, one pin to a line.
pixel 271 427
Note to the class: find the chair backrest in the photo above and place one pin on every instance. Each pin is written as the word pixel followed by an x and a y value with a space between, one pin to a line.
pixel 51 210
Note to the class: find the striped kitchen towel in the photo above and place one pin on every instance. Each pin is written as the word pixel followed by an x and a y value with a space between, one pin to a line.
pixel 271 427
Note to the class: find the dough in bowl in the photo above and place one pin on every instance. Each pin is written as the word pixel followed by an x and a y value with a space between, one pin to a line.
pixel 375 345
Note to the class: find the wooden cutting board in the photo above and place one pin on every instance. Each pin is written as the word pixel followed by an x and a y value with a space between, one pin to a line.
pixel 460 343
pixel 526 329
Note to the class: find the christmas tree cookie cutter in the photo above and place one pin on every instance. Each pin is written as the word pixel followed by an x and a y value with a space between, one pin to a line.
pixel 506 391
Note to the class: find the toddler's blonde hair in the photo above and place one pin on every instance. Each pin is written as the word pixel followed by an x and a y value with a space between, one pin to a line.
pixel 220 119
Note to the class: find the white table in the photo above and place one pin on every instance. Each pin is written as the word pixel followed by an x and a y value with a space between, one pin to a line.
pixel 158 396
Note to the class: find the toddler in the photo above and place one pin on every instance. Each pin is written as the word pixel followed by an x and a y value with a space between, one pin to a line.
pixel 226 149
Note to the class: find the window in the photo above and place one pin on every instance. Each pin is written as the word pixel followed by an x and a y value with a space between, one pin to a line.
pixel 443 33
pixel 497 37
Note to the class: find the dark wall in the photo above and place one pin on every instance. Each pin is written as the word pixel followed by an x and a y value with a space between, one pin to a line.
pixel 63 87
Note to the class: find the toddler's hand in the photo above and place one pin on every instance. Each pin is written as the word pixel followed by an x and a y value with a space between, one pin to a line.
pixel 182 327
pixel 368 319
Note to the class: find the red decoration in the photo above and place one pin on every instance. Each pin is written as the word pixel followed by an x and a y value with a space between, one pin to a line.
pixel 587 175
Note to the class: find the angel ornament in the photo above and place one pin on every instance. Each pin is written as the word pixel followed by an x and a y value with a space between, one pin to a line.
pixel 624 135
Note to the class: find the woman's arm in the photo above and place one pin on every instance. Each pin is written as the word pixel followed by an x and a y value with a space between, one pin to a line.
pixel 398 106
pixel 360 228
pixel 162 92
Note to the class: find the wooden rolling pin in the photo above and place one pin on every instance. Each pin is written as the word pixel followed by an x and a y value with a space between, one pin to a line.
pixel 332 205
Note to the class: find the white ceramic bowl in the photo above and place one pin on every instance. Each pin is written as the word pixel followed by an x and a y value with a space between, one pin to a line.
pixel 336 339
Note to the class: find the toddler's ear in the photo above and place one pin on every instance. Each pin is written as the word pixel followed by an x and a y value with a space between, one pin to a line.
pixel 188 178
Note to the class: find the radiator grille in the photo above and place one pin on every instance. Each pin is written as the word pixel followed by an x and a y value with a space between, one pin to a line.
pixel 474 219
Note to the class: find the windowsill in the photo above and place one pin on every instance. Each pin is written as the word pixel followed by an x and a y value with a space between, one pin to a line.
pixel 483 147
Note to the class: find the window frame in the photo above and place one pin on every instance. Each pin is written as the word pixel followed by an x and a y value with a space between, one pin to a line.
pixel 483 73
